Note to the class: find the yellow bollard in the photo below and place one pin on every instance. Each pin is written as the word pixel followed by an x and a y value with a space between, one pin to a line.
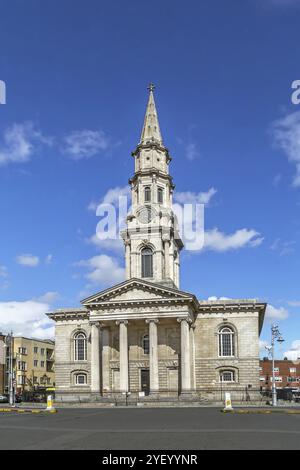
pixel 228 405
pixel 50 406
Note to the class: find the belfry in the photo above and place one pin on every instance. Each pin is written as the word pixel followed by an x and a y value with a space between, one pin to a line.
pixel 146 337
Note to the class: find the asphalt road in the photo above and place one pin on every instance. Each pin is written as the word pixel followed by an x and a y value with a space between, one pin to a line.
pixel 149 429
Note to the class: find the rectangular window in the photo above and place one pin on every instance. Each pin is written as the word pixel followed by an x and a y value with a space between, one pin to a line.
pixel 42 363
pixel 293 379
pixel 35 350
pixel 22 350
pixel 43 352
pixel 35 363
pixel 160 195
pixel 292 370
pixel 277 379
pixel 21 379
pixel 22 365
pixel 227 376
pixel 80 379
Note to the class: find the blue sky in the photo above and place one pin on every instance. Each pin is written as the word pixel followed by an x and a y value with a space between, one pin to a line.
pixel 76 75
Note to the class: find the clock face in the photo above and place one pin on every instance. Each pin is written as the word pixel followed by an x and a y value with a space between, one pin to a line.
pixel 146 214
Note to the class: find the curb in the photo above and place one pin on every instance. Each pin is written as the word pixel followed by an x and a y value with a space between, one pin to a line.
pixel 289 412
pixel 20 410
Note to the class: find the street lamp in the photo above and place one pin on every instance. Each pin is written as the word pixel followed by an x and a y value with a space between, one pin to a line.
pixel 9 344
pixel 275 334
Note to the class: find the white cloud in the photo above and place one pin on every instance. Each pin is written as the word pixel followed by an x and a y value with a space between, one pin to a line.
pixel 262 346
pixel 28 260
pixel 219 241
pixel 294 352
pixel 110 244
pixel 111 197
pixel 192 151
pixel 188 197
pixel 286 133
pixel 273 313
pixel 48 297
pixel 103 270
pixel 26 318
pixel 20 141
pixel 283 247
pixel 85 143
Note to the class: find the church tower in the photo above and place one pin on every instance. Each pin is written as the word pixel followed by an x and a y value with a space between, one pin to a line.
pixel 152 241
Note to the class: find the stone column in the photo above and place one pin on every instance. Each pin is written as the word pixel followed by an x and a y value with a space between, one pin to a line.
pixel 153 355
pixel 105 359
pixel 127 259
pixel 154 189
pixel 95 358
pixel 167 257
pixel 185 362
pixel 123 348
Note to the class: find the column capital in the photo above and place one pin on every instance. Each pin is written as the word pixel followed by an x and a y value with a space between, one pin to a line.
pixel 187 319
pixel 95 323
pixel 118 322
pixel 152 320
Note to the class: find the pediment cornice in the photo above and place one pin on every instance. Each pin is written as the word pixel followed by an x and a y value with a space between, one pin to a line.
pixel 161 295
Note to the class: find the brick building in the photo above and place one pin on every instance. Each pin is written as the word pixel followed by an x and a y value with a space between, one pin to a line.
pixel 287 373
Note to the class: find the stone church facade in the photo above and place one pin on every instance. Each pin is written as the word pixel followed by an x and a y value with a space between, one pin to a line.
pixel 145 336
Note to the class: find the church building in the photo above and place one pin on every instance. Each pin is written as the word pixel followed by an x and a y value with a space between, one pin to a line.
pixel 145 337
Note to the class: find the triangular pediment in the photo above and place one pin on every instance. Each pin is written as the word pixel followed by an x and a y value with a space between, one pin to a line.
pixel 135 290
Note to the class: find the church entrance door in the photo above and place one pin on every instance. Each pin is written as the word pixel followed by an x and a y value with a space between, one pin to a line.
pixel 145 381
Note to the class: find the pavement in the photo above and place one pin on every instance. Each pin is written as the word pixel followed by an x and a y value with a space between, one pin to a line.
pixel 149 429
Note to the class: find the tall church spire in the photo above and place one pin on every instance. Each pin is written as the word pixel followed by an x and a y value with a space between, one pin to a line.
pixel 151 129
pixel 151 238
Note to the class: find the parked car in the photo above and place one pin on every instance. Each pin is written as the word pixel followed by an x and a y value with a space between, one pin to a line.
pixel 3 399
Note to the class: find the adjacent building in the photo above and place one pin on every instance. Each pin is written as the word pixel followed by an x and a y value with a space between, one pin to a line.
pixel 33 363
pixel 145 335
pixel 287 373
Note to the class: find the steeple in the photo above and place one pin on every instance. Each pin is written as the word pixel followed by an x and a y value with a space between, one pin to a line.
pixel 151 129
pixel 151 238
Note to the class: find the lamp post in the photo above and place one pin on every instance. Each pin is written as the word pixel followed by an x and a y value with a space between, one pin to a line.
pixel 9 346
pixel 275 335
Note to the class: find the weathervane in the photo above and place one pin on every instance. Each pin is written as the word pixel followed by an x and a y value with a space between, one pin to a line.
pixel 151 87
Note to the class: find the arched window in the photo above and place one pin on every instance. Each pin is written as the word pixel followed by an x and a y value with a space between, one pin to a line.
pixel 147 193
pixel 80 379
pixel 226 342
pixel 80 347
pixel 160 195
pixel 145 344
pixel 147 262
pixel 227 376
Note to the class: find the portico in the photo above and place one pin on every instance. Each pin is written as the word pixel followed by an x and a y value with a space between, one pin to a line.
pixel 139 342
